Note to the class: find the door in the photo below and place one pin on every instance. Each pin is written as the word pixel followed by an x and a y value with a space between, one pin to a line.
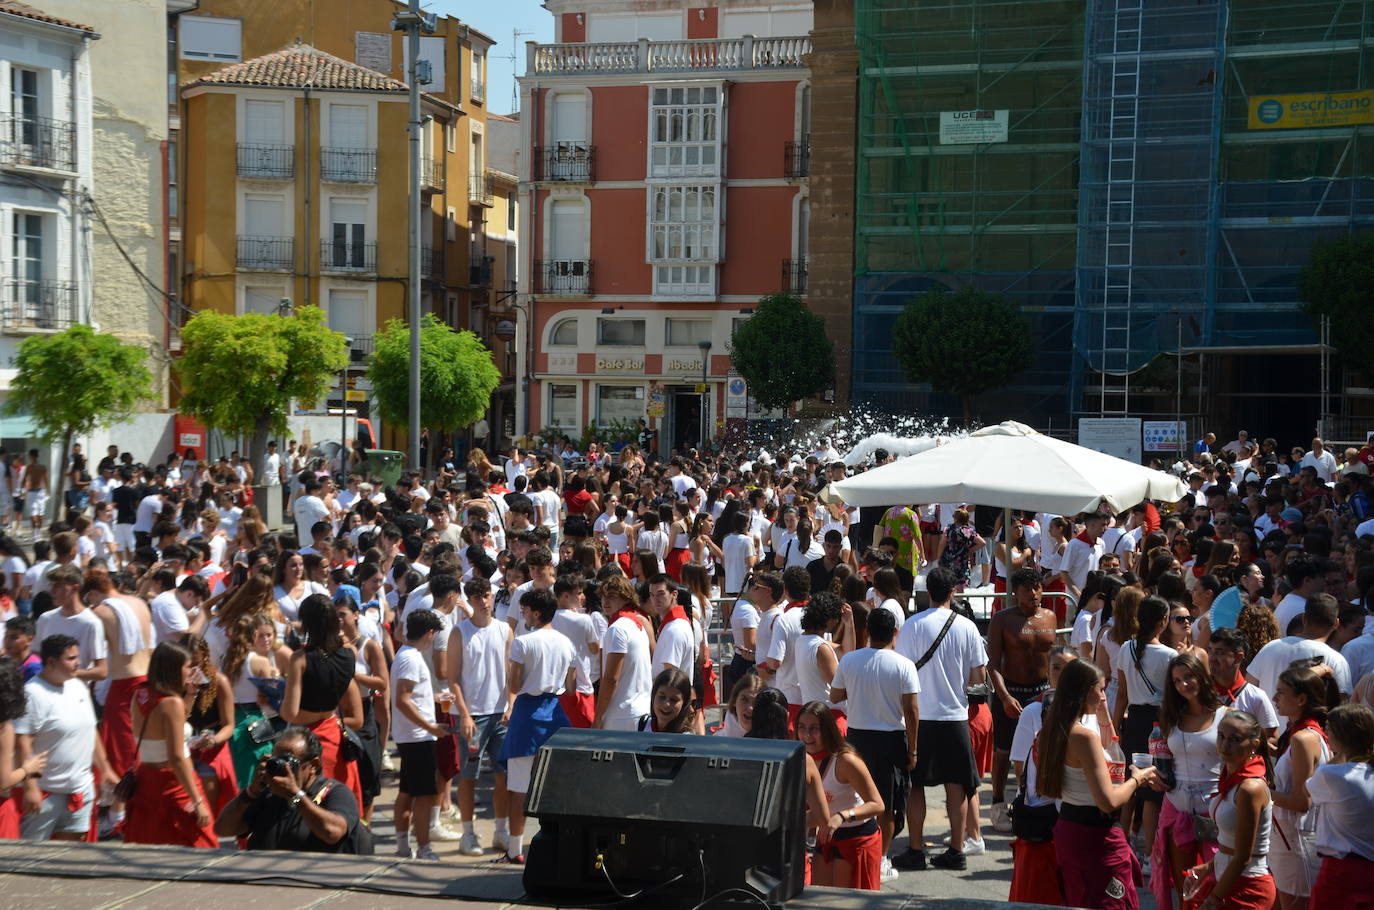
pixel 265 152
pixel 262 245
pixel 348 234
pixel 349 158
pixel 27 265
pixel 25 107
pixel 568 158
pixel 686 420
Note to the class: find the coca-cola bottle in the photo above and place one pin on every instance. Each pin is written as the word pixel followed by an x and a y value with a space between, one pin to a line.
pixel 1116 761
pixel 1162 758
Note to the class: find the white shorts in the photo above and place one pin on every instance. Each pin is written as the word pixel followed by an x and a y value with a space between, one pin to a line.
pixel 518 772
pixel 56 816
pixel 124 537
pixel 36 503
pixel 1294 870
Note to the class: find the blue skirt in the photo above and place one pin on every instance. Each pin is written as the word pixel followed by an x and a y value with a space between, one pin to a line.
pixel 532 721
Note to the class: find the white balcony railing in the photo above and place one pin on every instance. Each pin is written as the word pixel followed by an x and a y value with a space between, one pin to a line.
pixel 645 56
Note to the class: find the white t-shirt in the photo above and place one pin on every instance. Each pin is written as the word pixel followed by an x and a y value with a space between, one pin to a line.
pixel 676 647
pixel 1275 657
pixel 1252 700
pixel 1028 726
pixel 484 666
pixel 764 637
pixel 169 616
pixel 549 504
pixel 1343 792
pixel 682 483
pixel 149 507
pixel 782 650
pixel 1084 628
pixel 1325 464
pixel 1080 558
pixel 892 606
pixel 85 627
pixel 1359 653
pixel 875 680
pixel 945 676
pixel 35 577
pixel 546 655
pixel 631 699
pixel 410 665
pixel 291 606
pixel 580 629
pixel 308 510
pixel 735 555
pixel 744 616
pixel 62 724
pixel 1288 609
pixel 1153 664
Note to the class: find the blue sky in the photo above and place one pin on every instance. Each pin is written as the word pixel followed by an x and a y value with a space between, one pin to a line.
pixel 496 18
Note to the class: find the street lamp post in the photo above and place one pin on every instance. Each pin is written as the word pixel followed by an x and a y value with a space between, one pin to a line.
pixel 343 407
pixel 705 394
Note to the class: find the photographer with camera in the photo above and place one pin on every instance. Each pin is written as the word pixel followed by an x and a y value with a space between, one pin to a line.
pixel 290 805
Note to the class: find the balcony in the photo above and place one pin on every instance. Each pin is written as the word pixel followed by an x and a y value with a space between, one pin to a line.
pixel 36 305
pixel 431 174
pixel 481 191
pixel 644 56
pixel 348 165
pixel 565 163
pixel 794 276
pixel 345 257
pixel 361 347
pixel 796 158
pixel 479 91
pixel 266 162
pixel 266 254
pixel 431 263
pixel 563 277
pixel 37 142
pixel 479 274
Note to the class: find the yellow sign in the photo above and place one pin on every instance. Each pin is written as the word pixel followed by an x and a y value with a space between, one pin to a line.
pixel 357 395
pixel 1311 111
pixel 701 387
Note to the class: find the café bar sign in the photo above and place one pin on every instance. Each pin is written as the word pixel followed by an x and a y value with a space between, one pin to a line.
pixel 619 365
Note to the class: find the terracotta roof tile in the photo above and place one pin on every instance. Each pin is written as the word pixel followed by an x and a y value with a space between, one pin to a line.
pixel 301 66
pixel 15 8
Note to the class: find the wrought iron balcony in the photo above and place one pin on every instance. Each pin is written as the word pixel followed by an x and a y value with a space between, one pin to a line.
pixel 482 191
pixel 27 304
pixel 644 56
pixel 37 142
pixel 479 274
pixel 431 173
pixel 431 263
pixel 796 157
pixel 266 254
pixel 348 165
pixel 266 162
pixel 563 277
pixel 348 256
pixel 794 276
pixel 566 162
pixel 361 347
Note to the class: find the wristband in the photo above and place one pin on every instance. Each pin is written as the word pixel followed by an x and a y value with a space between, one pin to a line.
pixel 296 798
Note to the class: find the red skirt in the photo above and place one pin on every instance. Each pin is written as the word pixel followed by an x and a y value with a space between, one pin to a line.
pixel 332 759
pixel 980 732
pixel 580 708
pixel 221 762
pixel 117 725
pixel 1098 869
pixel 1344 884
pixel 9 814
pixel 865 857
pixel 1251 893
pixel 624 560
pixel 674 561
pixel 160 812
pixel 1035 874
pixel 709 699
pixel 1059 605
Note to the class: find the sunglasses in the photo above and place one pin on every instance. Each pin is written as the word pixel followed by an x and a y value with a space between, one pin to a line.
pixel 1183 620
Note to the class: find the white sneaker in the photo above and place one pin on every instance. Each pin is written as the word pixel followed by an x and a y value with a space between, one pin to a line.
pixel 974 847
pixel 500 841
pixel 470 846
pixel 1001 818
pixel 426 854
pixel 886 872
pixel 388 763
pixel 440 833
pixel 451 814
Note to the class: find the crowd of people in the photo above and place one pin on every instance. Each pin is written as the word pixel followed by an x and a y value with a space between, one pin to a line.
pixel 1180 693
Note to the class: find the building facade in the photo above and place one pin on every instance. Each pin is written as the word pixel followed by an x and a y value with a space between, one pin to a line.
pixel 1115 169
pixel 663 191
pixel 45 155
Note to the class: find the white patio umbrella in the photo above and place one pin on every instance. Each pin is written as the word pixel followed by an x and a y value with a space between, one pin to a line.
pixel 1012 466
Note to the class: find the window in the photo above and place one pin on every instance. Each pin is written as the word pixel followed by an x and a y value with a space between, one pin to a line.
pixel 261 300
pixel 684 132
pixel 450 136
pixel 568 218
pixel 684 222
pixel 510 212
pixel 683 333
pixel 27 253
pixel 263 216
pixel 348 126
pixel 629 332
pixel 619 403
pixel 564 332
pixel 210 38
pixel 684 280
pixel 563 406
pixel 24 103
pixel 348 312
pixel 348 234
pixel 479 77
pixel 451 224
pixel 173 200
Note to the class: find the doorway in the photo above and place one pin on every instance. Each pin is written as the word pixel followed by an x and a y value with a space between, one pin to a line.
pixel 686 419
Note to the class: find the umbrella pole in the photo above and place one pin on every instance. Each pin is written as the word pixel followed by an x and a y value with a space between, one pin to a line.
pixel 1006 539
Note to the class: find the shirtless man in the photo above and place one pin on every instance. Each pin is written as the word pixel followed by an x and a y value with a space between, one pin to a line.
pixel 128 624
pixel 36 491
pixel 1019 642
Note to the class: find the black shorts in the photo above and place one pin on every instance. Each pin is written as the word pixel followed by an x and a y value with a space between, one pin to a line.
pixel 1004 727
pixel 1135 737
pixel 884 754
pixel 944 755
pixel 419 768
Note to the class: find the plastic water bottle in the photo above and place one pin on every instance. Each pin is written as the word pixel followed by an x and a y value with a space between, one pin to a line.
pixel 1116 761
pixel 1162 757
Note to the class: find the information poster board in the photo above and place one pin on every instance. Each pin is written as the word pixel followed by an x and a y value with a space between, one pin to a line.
pixel 1119 436
pixel 1166 436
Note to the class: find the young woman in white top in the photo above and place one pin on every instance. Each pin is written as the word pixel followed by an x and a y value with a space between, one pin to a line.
pixel 817 658
pixel 702 548
pixel 620 538
pixel 1343 792
pixel 1241 810
pixel 853 856
pixel 1305 697
pixel 290 585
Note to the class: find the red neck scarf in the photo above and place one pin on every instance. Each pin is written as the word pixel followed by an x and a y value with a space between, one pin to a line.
pixel 1228 695
pixel 677 612
pixel 820 758
pixel 631 612
pixel 1254 767
pixel 1306 723
pixel 799 604
pixel 1083 536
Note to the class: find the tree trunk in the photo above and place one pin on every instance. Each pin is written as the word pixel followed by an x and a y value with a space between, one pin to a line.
pixel 59 478
pixel 257 446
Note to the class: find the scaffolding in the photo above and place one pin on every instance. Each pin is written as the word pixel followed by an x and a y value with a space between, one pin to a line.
pixel 1131 208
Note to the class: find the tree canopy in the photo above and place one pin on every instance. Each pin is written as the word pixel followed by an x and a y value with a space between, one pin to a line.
pixel 457 375
pixel 75 381
pixel 239 374
pixel 783 352
pixel 1338 283
pixel 966 342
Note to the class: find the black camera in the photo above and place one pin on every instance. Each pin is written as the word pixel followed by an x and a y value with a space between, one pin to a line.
pixel 281 765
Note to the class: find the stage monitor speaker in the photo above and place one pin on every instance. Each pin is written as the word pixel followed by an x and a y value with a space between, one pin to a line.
pixel 684 818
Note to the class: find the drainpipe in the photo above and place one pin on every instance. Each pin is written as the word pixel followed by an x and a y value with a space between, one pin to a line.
pixel 307 199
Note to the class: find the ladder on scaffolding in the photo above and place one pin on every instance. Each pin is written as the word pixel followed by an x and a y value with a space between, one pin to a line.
pixel 1119 235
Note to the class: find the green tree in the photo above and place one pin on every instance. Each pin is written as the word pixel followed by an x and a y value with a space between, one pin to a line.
pixel 782 351
pixel 966 342
pixel 75 381
pixel 239 374
pixel 1338 284
pixel 457 376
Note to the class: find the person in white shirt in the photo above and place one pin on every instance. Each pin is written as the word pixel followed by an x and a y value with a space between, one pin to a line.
pixel 309 509
pixel 781 657
pixel 1321 618
pixel 676 646
pixel 1304 572
pixel 737 554
pixel 626 666
pixel 1321 460
pixel 1342 792
pixel 949 656
pixel 1083 552
pixel 416 734
pixel 541 667
pixel 1226 655
pixel 679 479
pixel 580 628
pixel 74 619
pixel 744 620
pixel 477 656
pixel 271 465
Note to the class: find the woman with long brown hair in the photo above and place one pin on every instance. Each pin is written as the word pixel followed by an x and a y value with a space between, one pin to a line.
pixel 1238 878
pixel 210 712
pixel 853 856
pixel 1304 696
